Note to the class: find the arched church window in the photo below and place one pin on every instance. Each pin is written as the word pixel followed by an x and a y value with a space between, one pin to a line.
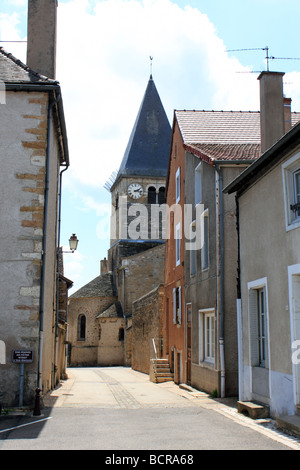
pixel 82 327
pixel 151 195
pixel 162 195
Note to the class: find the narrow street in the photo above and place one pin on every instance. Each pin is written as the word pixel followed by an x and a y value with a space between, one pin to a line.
pixel 119 409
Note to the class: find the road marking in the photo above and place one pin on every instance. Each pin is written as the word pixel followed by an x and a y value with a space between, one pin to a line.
pixel 26 424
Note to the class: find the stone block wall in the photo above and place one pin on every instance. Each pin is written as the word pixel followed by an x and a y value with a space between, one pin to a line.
pixel 147 317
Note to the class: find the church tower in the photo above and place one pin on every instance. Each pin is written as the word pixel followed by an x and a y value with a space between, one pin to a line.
pixel 141 179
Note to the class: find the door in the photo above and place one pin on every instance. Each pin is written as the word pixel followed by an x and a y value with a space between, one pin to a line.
pixel 296 334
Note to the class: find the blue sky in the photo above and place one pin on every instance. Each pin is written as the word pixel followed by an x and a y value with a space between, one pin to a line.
pixel 103 66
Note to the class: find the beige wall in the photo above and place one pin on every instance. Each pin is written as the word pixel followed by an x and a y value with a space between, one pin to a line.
pixel 110 344
pixel 85 352
pixel 267 250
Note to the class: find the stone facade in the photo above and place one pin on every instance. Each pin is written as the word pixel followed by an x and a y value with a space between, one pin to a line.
pixel 147 321
pixel 28 266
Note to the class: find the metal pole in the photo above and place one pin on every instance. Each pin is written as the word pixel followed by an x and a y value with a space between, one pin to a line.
pixel 21 384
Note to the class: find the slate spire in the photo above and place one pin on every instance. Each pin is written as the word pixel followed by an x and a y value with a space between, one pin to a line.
pixel 147 152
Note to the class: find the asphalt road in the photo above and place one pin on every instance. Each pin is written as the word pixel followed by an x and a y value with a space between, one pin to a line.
pixel 117 409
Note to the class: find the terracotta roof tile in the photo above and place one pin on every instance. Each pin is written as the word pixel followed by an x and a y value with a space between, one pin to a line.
pixel 222 135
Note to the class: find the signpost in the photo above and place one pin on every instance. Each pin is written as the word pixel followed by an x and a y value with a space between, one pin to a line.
pixel 21 356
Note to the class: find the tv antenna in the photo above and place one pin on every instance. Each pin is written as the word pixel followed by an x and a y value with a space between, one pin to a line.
pixel 268 57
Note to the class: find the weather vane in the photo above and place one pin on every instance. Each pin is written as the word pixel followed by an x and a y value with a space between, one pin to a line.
pixel 151 60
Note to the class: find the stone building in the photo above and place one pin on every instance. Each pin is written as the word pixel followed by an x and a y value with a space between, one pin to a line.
pixel 135 263
pixel 34 149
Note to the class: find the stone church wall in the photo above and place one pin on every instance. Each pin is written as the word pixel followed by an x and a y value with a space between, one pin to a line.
pixel 147 326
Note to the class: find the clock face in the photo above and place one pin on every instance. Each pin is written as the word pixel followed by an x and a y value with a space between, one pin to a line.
pixel 135 190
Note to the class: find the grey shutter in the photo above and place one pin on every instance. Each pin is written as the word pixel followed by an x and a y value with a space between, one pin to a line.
pixel 253 324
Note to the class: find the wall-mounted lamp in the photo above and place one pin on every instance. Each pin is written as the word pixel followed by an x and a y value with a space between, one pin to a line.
pixel 73 243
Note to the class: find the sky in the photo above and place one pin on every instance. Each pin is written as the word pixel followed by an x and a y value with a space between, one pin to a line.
pixel 103 66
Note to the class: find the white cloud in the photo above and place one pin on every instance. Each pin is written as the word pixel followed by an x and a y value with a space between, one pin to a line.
pixel 104 66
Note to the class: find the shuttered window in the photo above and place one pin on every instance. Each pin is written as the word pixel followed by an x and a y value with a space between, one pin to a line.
pixel 177 308
pixel 257 303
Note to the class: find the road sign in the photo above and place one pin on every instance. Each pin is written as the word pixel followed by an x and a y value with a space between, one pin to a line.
pixel 21 356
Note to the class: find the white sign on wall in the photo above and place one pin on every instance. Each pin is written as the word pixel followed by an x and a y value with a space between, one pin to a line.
pixel 2 92
pixel 2 353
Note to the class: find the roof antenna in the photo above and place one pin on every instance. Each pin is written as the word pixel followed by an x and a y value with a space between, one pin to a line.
pixel 151 59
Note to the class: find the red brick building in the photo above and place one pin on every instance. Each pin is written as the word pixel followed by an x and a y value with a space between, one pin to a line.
pixel 174 331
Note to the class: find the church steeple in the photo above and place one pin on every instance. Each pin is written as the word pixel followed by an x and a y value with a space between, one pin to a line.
pixel 147 152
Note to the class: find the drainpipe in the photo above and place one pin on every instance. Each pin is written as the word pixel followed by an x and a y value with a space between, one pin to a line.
pixel 43 274
pixel 220 276
pixel 57 270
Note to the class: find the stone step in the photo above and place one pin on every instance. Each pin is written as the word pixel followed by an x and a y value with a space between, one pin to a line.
pixel 163 379
pixel 290 424
pixel 252 409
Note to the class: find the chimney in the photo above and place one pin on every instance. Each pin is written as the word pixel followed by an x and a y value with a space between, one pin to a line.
pixel 272 123
pixel 41 40
pixel 287 114
pixel 104 266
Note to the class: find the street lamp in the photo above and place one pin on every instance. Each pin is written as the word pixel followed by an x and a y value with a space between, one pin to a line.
pixel 73 242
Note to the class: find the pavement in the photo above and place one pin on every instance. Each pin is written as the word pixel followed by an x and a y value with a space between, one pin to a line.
pixel 105 391
pixel 123 387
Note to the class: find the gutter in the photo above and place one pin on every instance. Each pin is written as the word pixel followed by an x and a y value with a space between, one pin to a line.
pixel 220 273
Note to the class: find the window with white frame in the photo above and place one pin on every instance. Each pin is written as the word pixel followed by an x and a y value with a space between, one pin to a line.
pixel 257 305
pixel 177 185
pixel 291 183
pixel 193 252
pixel 205 236
pixel 207 336
pixel 177 305
pixel 198 184
pixel 177 243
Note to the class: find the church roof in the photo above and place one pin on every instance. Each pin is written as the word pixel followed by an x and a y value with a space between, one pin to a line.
pixel 113 311
pixel 147 152
pixel 101 286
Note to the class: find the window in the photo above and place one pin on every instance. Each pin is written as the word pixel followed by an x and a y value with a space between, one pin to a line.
pixel 261 313
pixel 177 305
pixel 162 195
pixel 177 185
pixel 291 184
pixel 257 304
pixel 193 252
pixel 151 195
pixel 204 235
pixel 177 244
pixel 198 184
pixel 121 334
pixel 81 327
pixel 207 336
pixel 296 207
